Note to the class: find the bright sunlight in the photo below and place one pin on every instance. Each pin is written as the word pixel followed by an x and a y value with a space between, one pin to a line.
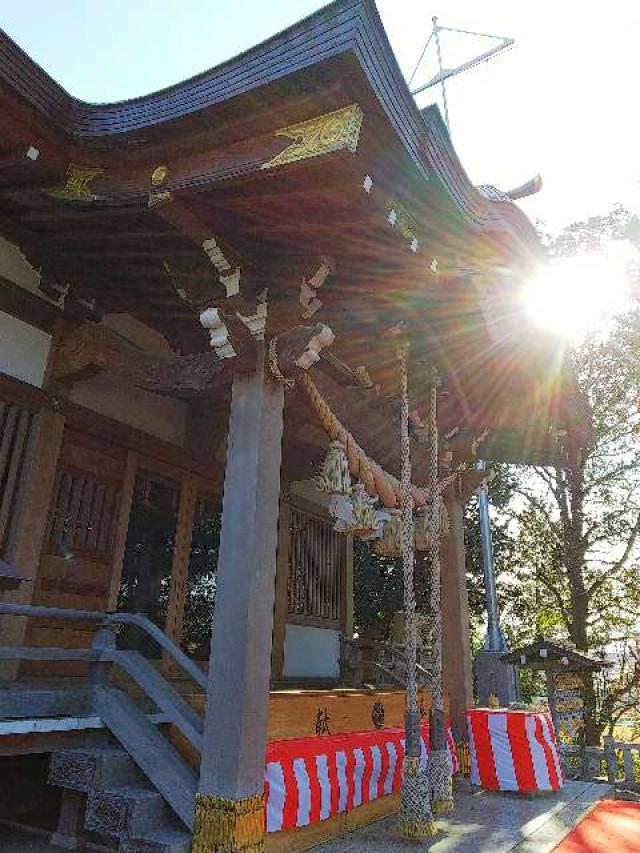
pixel 574 295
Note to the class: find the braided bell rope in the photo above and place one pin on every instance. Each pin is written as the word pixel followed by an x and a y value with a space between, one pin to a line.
pixel 438 770
pixel 415 818
pixel 274 367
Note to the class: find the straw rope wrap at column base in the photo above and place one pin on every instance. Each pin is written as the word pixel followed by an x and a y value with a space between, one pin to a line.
pixel 415 818
pixel 440 785
pixel 224 825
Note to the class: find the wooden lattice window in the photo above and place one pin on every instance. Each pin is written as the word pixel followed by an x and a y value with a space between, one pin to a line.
pixel 84 514
pixel 15 430
pixel 316 569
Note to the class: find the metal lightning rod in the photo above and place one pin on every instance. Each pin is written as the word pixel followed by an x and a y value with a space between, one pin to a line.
pixel 445 73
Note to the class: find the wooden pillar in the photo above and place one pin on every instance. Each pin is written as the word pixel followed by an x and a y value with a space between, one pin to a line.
pixel 180 560
pixel 70 820
pixel 27 538
pixel 456 638
pixel 280 605
pixel 122 527
pixel 346 617
pixel 230 802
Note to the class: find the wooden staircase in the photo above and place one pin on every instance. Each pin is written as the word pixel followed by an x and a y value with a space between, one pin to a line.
pixel 140 791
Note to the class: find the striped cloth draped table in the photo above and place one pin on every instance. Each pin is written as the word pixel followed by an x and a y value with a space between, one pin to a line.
pixel 312 779
pixel 513 751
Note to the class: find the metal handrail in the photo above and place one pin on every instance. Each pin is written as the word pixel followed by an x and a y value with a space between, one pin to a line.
pixel 105 618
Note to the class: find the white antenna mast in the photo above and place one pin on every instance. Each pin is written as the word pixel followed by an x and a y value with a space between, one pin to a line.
pixel 444 73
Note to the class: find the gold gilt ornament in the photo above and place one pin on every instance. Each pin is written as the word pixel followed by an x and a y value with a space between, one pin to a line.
pixel 159 176
pixel 493 701
pixel 335 477
pixel 157 195
pixel 322 135
pixel 77 185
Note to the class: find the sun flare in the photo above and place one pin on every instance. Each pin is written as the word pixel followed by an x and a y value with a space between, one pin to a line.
pixel 573 296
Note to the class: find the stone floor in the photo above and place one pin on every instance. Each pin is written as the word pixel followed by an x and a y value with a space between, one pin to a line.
pixel 482 823
pixel 485 822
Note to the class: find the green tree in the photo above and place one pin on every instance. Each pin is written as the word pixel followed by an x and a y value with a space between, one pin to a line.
pixel 575 530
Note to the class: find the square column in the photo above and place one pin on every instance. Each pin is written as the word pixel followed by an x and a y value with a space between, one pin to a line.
pixel 229 805
pixel 456 637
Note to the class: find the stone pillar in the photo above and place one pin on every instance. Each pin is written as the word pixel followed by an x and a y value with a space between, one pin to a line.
pixel 230 802
pixel 456 639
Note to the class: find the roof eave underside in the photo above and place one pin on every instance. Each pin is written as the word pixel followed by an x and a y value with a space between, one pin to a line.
pixel 346 26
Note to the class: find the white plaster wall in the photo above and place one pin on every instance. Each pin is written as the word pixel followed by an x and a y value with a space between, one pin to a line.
pixel 24 350
pixel 155 414
pixel 15 267
pixel 311 652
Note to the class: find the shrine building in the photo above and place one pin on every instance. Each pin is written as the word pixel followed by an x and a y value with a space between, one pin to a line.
pixel 201 292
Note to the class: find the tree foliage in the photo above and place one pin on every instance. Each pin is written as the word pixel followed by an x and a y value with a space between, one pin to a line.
pixel 568 537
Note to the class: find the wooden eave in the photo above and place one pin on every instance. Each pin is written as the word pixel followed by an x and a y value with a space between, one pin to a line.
pixel 554 655
pixel 215 133
pixel 221 104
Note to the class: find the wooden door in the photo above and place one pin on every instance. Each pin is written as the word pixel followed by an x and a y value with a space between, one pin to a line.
pixel 77 559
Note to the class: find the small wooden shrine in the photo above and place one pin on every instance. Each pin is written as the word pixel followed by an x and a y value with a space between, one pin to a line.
pixel 198 295
pixel 563 668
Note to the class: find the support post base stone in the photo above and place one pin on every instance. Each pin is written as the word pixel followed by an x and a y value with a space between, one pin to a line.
pixel 224 825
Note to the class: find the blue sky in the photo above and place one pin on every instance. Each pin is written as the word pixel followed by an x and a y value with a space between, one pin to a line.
pixel 563 102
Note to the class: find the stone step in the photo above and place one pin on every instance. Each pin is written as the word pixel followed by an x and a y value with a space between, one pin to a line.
pixel 91 768
pixel 158 841
pixel 127 812
pixel 153 754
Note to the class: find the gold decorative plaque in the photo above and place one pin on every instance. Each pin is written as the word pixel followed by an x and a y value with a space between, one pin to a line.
pixel 77 185
pixel 322 135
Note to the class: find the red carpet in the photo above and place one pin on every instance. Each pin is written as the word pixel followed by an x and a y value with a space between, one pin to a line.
pixel 612 827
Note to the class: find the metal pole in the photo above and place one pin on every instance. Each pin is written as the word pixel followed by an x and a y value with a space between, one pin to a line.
pixel 436 32
pixel 494 640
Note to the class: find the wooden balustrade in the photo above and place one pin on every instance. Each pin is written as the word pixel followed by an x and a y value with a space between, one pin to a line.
pixel 316 568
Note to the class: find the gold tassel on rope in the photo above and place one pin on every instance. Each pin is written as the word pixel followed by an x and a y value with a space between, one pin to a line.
pixel 415 817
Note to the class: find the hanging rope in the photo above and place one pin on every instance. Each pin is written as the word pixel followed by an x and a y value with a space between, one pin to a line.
pixel 274 367
pixel 416 819
pixel 439 771
pixel 377 482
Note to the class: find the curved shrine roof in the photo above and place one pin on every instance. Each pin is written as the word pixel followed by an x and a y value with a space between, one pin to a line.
pixel 308 146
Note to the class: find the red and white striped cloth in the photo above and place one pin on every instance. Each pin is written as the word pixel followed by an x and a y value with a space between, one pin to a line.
pixel 312 779
pixel 513 751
